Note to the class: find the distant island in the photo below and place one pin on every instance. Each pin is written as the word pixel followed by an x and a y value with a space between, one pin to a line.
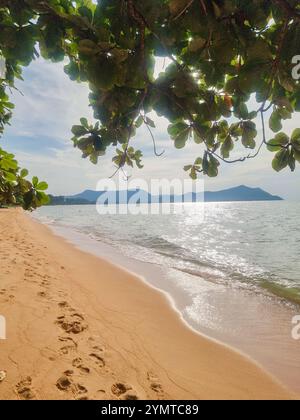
pixel 241 193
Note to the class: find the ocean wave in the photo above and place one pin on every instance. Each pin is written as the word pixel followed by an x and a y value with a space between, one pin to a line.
pixel 229 248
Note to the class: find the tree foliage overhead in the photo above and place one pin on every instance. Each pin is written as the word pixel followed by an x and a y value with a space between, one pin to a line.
pixel 222 53
pixel 15 189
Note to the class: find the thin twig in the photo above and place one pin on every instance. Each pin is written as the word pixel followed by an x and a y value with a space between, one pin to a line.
pixel 129 134
pixel 184 10
pixel 153 140
pixel 203 7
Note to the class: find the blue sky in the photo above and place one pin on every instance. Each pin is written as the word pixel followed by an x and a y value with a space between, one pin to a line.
pixel 41 131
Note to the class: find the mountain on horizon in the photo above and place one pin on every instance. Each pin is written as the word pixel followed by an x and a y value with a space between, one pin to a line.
pixel 241 193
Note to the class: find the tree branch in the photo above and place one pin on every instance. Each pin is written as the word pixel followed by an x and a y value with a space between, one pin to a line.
pixel 184 10
pixel 290 11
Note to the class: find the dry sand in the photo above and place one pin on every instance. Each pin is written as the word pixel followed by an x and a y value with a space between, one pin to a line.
pixel 81 328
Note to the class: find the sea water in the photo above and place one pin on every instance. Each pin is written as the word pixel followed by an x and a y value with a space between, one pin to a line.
pixel 246 245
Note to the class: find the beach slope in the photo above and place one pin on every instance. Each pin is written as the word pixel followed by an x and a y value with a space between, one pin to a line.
pixel 81 328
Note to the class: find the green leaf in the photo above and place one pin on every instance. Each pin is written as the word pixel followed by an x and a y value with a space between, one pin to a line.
pixel 139 122
pixel 297 155
pixel 278 142
pixel 292 162
pixel 10 177
pixel 193 173
pixel 84 123
pixel 79 130
pixel 227 147
pixel 242 111
pixel 175 129
pixel 197 138
pixel 43 198
pixel 296 136
pixel 275 122
pixel 35 181
pixel 210 165
pixel 188 168
pixel 8 163
pixel 150 122
pixel 296 140
pixel 72 70
pixel 42 186
pixel 273 145
pixel 285 113
pixel 181 139
pixel 249 134
pixel 198 161
pixel 281 160
pixel 213 170
pixel 24 173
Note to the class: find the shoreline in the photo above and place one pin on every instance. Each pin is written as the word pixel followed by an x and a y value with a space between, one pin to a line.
pixel 81 328
pixel 256 325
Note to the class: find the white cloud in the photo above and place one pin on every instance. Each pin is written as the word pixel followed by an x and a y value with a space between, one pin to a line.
pixel 51 103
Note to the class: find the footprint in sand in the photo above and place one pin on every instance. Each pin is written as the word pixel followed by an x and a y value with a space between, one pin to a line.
pixel 70 345
pixel 69 372
pixel 98 359
pixel 124 391
pixel 24 389
pixel 154 384
pixel 130 396
pixel 45 283
pixel 63 304
pixel 72 323
pixel 78 364
pixel 4 292
pixel 65 383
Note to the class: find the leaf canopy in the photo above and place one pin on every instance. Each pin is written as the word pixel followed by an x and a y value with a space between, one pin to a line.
pixel 221 54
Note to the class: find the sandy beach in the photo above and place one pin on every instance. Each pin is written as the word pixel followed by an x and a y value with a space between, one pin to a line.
pixel 79 327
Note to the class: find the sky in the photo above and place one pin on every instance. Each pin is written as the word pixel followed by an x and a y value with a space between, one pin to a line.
pixel 40 136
